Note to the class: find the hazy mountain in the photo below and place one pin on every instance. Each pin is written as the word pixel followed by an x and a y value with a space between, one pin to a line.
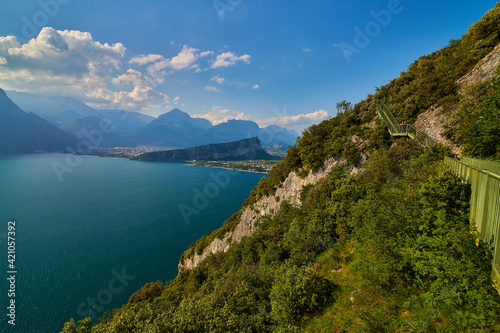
pixel 177 129
pixel 179 117
pixel 277 138
pixel 26 133
pixel 174 129
pixel 81 127
pixel 232 130
pixel 61 110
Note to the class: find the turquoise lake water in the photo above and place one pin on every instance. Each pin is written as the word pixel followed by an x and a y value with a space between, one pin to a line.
pixel 87 240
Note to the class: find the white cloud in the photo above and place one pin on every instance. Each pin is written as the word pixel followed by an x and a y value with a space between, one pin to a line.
pixel 206 53
pixel 219 115
pixel 176 99
pixel 141 98
pixel 145 59
pixel 3 61
pixel 73 63
pixel 307 50
pixel 256 87
pixel 298 120
pixel 184 59
pixel 214 89
pixel 72 53
pixel 133 78
pixel 218 79
pixel 229 59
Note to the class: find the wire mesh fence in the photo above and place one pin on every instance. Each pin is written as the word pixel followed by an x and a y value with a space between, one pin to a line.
pixel 484 178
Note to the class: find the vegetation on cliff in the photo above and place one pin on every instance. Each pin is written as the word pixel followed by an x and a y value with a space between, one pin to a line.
pixel 242 150
pixel 384 250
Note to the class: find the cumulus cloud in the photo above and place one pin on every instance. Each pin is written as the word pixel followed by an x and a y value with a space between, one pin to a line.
pixel 133 78
pixel 218 79
pixel 140 98
pixel 298 120
pixel 206 53
pixel 187 57
pixel 73 63
pixel 145 59
pixel 214 89
pixel 256 87
pixel 229 59
pixel 219 115
pixel 69 53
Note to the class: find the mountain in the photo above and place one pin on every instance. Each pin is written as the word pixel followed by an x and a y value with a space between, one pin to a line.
pixel 242 150
pixel 277 138
pixel 27 133
pixel 61 110
pixel 231 130
pixel 81 127
pixel 357 230
pixel 179 117
pixel 174 129
pixel 177 129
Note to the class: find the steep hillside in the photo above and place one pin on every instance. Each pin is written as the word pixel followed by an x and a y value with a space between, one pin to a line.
pixel 354 231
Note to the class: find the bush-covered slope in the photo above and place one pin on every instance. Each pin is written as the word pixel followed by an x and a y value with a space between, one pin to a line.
pixel 389 249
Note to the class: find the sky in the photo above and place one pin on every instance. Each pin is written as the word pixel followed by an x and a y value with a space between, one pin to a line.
pixel 274 62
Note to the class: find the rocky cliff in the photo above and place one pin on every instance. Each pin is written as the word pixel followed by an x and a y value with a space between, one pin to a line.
pixel 242 150
pixel 289 190
pixel 484 70
pixel 431 121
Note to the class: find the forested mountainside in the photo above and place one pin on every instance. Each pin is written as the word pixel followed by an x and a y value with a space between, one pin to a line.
pixel 246 149
pixel 381 243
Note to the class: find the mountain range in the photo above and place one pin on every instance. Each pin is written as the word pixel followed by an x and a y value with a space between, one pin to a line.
pixel 23 133
pixel 174 129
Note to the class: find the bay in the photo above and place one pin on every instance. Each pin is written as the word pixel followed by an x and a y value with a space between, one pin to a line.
pixel 87 240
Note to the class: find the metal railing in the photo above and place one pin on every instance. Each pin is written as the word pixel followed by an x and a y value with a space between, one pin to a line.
pixel 389 119
pixel 484 202
pixel 408 130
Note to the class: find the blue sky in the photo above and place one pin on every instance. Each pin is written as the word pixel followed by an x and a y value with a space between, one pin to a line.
pixel 282 62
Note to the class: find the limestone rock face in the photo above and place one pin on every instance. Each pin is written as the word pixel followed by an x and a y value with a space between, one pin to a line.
pixel 289 190
pixel 483 71
pixel 431 123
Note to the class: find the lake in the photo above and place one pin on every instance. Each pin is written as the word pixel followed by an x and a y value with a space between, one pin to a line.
pixel 91 231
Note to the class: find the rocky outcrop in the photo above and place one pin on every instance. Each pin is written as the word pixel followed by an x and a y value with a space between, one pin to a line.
pixel 431 123
pixel 289 190
pixel 484 70
pixel 242 150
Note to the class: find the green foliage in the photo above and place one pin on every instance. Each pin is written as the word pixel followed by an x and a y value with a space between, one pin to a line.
pixel 387 250
pixel 83 326
pixel 296 292
pixel 475 121
pixel 147 293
